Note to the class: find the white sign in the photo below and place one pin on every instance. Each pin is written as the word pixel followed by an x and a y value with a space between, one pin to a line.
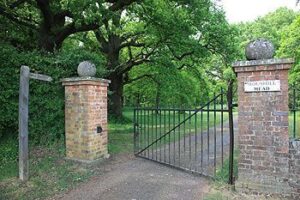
pixel 262 86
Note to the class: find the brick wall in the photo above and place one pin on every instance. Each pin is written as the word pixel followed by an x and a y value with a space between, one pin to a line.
pixel 263 129
pixel 85 110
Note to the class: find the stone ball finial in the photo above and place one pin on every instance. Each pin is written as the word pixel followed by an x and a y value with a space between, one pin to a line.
pixel 86 68
pixel 259 49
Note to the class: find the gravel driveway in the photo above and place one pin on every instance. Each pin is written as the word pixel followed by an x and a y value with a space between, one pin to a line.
pixel 131 178
pixel 141 179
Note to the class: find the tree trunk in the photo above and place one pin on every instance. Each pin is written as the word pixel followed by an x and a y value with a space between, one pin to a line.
pixel 117 81
pixel 116 86
pixel 46 43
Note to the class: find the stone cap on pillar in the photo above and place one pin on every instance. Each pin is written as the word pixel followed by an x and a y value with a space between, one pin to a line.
pixel 263 65
pixel 85 81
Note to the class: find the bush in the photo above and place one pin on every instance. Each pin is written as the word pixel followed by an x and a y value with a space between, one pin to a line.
pixel 46 104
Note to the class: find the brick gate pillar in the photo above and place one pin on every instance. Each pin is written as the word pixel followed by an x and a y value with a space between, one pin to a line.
pixel 263 125
pixel 86 118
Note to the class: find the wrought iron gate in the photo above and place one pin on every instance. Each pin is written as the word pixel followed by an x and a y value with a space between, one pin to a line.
pixel 294 105
pixel 195 140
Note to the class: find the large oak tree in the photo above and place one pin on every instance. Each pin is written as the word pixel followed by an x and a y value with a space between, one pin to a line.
pixel 129 33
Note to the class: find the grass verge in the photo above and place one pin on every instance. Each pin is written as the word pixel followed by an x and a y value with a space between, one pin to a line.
pixel 220 188
pixel 49 173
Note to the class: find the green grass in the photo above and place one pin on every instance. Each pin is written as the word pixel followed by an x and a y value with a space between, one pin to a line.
pixel 292 128
pixel 222 174
pixel 8 158
pixel 49 172
pixel 155 125
pixel 120 133
pixel 215 196
pixel 221 180
pixel 121 130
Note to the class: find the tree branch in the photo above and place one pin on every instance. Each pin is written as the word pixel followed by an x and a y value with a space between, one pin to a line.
pixel 140 77
pixel 181 56
pixel 71 29
pixel 140 59
pixel 44 7
pixel 131 43
pixel 184 65
pixel 17 20
pixel 16 3
pixel 102 41
pixel 120 4
pixel 213 74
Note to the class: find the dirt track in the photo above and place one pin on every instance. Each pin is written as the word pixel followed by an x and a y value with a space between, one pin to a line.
pixel 141 179
pixel 128 177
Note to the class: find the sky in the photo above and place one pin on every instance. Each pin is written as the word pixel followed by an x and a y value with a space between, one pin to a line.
pixel 249 10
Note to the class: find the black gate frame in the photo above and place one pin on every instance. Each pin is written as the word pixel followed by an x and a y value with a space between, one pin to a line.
pixel 294 107
pixel 138 152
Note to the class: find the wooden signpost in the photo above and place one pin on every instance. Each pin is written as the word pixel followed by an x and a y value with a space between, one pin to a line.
pixel 25 75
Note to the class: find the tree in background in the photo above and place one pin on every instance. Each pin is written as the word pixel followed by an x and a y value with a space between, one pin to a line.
pixel 50 22
pixel 271 26
pixel 290 47
pixel 174 34
pixel 128 33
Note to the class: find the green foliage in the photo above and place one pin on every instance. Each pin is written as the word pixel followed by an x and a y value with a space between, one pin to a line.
pixel 50 172
pixel 271 26
pixel 222 174
pixel 166 86
pixel 8 157
pixel 290 48
pixel 46 109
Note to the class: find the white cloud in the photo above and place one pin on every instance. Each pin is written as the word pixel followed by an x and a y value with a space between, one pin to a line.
pixel 248 10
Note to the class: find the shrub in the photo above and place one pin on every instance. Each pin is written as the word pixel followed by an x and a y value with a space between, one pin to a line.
pixel 46 104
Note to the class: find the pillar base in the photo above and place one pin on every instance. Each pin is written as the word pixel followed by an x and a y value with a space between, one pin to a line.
pixel 107 156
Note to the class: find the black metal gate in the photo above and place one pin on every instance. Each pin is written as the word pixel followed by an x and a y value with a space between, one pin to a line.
pixel 195 140
pixel 294 106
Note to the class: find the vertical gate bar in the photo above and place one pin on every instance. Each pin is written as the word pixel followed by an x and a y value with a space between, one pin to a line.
pixel 201 116
pixel 231 148
pixel 215 136
pixel 165 131
pixel 142 127
pixel 160 124
pixel 294 111
pixel 148 132
pixel 174 117
pixel 208 135
pixel 169 136
pixel 222 139
pixel 196 142
pixel 145 131
pixel 179 112
pixel 184 133
pixel 138 128
pixel 156 113
pixel 152 131
pixel 190 140
pixel 134 131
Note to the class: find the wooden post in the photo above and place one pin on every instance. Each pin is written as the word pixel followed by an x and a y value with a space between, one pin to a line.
pixel 23 122
pixel 25 75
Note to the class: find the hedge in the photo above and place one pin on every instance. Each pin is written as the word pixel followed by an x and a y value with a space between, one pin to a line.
pixel 46 100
